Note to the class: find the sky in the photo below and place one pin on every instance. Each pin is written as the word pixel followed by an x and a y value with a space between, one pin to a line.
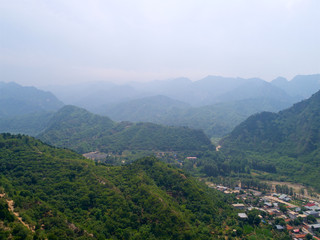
pixel 46 42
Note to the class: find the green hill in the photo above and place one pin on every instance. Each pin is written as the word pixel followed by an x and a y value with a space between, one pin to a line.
pixel 82 131
pixel 288 140
pixel 61 195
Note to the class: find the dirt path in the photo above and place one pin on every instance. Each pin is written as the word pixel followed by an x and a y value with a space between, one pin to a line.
pixel 11 208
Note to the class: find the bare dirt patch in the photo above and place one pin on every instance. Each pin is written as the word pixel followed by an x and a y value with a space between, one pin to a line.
pixel 297 188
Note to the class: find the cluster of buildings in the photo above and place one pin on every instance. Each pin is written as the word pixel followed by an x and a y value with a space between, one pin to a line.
pixel 300 218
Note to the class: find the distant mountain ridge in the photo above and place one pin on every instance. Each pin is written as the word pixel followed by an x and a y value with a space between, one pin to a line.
pixel 206 91
pixel 18 100
pixel 228 102
pixel 215 120
pixel 148 109
pixel 302 86
pixel 213 104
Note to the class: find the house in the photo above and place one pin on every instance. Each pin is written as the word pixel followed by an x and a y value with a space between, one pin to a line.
pixel 242 216
pixel 292 215
pixel 300 236
pixel 313 213
pixel 303 216
pixel 297 230
pixel 279 227
pixel 255 193
pixel 274 212
pixel 239 206
pixel 283 216
pixel 314 226
pixel 313 208
pixel 260 209
pixel 284 197
pixel 221 188
pixel 297 209
pixel 289 228
pixel 268 204
pixel 309 205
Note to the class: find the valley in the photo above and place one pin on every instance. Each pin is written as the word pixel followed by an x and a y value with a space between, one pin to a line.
pixel 159 120
pixel 167 165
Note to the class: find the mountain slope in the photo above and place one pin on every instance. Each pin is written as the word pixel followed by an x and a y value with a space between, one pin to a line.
pixel 148 109
pixel 30 124
pixel 17 100
pixel 289 139
pixel 82 131
pixel 61 195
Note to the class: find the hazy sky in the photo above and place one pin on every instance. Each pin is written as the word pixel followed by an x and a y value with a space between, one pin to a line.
pixel 62 41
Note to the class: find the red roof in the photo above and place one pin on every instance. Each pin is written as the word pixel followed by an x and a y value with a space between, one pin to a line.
pixel 289 227
pixel 309 205
pixel 300 235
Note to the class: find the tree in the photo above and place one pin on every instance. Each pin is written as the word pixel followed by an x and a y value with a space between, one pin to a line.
pixel 309 236
pixel 253 217
pixel 283 208
pixel 311 219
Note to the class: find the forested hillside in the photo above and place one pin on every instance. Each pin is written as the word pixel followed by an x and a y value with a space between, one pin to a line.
pixel 31 124
pixel 77 129
pixel 288 140
pixel 61 195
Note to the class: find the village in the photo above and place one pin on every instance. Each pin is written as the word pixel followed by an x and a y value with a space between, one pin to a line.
pixel 300 217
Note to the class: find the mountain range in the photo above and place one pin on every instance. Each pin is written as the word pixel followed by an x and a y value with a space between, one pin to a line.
pixel 214 104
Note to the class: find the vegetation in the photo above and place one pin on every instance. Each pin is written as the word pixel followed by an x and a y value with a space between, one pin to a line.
pixel 77 129
pixel 61 195
pixel 30 124
pixel 65 196
pixel 284 144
